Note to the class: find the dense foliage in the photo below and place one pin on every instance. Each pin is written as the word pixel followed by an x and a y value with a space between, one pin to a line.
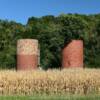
pixel 53 33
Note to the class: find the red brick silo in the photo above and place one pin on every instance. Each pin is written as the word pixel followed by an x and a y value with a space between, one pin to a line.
pixel 27 54
pixel 72 54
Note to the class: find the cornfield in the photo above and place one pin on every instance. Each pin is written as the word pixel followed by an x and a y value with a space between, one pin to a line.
pixel 67 81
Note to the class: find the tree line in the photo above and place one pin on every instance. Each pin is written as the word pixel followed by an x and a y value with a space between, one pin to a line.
pixel 53 34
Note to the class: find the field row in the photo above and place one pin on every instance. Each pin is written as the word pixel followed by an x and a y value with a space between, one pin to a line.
pixel 69 81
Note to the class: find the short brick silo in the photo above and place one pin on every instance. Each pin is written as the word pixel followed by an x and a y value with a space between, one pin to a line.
pixel 27 54
pixel 72 55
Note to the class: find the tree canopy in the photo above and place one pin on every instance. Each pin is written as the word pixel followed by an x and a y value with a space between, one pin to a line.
pixel 53 33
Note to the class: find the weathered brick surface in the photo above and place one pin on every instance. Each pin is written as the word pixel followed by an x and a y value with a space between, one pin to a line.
pixel 27 62
pixel 72 54
pixel 27 54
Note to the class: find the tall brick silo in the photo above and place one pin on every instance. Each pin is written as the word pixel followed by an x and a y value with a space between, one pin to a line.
pixel 27 54
pixel 72 55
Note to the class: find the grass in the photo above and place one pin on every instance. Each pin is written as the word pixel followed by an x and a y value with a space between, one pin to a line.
pixel 70 84
pixel 52 97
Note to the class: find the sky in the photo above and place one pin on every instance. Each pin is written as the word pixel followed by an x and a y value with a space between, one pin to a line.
pixel 21 10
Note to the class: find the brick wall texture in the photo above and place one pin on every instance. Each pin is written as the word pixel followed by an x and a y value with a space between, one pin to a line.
pixel 27 54
pixel 72 55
